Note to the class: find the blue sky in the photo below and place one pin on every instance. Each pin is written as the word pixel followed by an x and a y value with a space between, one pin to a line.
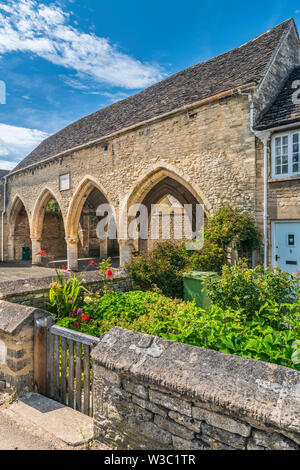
pixel 64 59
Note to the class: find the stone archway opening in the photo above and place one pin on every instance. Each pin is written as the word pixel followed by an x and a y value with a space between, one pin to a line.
pixel 163 195
pixel 19 242
pixel 53 230
pixel 166 204
pixel 89 243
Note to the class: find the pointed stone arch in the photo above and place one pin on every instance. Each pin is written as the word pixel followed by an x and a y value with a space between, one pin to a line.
pixel 47 228
pixel 19 230
pixel 157 182
pixel 81 238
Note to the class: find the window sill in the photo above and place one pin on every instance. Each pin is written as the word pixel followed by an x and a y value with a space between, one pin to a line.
pixel 283 178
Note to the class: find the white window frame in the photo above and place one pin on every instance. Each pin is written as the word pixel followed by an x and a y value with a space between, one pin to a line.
pixel 290 172
pixel 68 182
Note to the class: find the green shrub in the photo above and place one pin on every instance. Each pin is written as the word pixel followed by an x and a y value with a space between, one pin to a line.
pixel 210 258
pixel 161 269
pixel 250 289
pixel 268 336
pixel 233 227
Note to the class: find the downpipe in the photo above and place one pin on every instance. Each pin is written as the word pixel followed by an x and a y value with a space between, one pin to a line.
pixel 2 219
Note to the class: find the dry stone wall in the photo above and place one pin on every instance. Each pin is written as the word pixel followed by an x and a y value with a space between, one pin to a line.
pixel 150 393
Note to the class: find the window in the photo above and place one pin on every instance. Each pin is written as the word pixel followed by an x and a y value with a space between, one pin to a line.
pixel 64 182
pixel 286 154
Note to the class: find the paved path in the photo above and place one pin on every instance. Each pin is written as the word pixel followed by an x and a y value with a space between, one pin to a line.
pixel 20 435
pixel 13 271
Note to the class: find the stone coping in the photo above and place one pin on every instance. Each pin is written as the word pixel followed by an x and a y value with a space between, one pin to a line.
pixel 25 286
pixel 256 391
pixel 13 316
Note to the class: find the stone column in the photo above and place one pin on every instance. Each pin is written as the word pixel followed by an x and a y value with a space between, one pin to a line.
pixel 72 249
pixel 36 247
pixel 104 248
pixel 126 249
pixel 11 248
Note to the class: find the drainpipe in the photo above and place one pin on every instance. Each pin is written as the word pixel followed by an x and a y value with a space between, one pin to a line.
pixel 264 137
pixel 2 221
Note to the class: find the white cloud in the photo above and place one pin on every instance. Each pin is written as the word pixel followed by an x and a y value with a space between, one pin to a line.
pixel 30 26
pixel 16 143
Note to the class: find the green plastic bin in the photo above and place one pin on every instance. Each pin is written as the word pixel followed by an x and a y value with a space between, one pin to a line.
pixel 25 253
pixel 193 287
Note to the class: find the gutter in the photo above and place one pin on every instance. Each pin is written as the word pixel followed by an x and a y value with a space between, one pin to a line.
pixel 142 123
pixel 2 218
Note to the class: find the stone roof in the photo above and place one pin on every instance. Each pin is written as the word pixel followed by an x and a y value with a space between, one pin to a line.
pixel 284 110
pixel 240 66
pixel 3 173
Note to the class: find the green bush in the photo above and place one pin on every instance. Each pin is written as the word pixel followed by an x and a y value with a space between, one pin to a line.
pixel 233 227
pixel 268 336
pixel 161 269
pixel 250 289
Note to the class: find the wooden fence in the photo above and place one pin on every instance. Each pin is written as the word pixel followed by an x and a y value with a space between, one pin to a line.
pixel 62 365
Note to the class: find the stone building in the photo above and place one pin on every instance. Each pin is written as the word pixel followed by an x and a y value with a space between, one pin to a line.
pixel 223 132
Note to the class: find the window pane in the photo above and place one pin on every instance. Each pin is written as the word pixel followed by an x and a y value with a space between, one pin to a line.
pixel 295 138
pixel 285 140
pixel 285 169
pixel 278 170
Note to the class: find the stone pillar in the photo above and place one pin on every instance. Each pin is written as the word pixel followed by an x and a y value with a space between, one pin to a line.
pixel 72 249
pixel 126 249
pixel 104 248
pixel 11 248
pixel 36 247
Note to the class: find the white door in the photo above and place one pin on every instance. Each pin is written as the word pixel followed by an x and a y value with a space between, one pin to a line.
pixel 286 245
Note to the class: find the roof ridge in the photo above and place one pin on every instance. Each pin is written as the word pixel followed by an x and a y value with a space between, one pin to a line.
pixel 238 66
pixel 177 73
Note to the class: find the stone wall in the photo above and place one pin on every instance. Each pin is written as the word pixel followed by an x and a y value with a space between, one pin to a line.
pixel 211 152
pixel 16 347
pixel 150 393
pixel 35 292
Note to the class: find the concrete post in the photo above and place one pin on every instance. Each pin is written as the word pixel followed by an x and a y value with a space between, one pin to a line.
pixel 72 250
pixel 36 247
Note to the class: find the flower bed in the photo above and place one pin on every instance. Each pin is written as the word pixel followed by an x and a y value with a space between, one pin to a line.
pixel 269 335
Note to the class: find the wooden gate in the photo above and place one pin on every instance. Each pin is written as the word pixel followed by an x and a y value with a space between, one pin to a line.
pixel 62 365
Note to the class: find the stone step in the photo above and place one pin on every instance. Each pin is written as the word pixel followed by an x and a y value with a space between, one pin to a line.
pixel 69 426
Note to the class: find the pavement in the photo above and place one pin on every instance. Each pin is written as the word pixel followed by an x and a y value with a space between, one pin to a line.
pixel 16 270
pixel 35 422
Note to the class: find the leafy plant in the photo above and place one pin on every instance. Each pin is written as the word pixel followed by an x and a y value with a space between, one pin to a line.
pixel 250 289
pixel 161 270
pixel 65 295
pixel 269 335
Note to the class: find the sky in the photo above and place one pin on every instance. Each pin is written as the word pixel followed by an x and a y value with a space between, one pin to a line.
pixel 61 60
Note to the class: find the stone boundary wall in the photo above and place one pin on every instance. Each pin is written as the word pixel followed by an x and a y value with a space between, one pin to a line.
pixel 35 292
pixel 16 347
pixel 151 393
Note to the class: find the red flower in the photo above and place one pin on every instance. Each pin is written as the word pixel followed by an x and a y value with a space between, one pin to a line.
pixel 85 318
pixel 92 262
pixel 41 252
pixel 64 267
pixel 109 273
pixel 76 324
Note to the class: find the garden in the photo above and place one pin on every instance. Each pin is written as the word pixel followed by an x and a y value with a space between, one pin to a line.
pixel 253 312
